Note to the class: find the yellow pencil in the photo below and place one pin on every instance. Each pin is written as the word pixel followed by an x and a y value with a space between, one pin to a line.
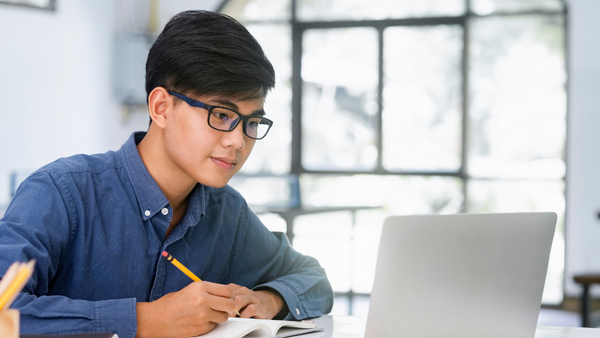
pixel 181 267
pixel 186 271
pixel 24 272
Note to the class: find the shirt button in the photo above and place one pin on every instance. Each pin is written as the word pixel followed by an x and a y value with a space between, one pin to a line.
pixel 297 311
pixel 165 211
pixel 147 213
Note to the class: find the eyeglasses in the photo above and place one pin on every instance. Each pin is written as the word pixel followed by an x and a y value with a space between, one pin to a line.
pixel 225 119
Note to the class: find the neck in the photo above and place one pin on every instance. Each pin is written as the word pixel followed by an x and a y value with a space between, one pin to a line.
pixel 174 183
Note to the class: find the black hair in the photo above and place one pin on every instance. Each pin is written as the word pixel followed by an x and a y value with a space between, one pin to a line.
pixel 206 53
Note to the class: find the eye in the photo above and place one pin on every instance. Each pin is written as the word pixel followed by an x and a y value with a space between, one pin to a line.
pixel 253 124
pixel 221 115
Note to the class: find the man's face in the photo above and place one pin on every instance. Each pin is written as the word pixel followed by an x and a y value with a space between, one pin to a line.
pixel 208 156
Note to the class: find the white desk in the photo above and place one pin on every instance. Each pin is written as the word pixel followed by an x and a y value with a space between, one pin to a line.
pixel 354 327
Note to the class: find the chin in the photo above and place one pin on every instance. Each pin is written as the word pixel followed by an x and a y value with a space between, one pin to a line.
pixel 215 183
pixel 218 186
pixel 215 179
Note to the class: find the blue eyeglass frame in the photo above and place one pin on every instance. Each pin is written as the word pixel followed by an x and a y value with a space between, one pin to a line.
pixel 244 118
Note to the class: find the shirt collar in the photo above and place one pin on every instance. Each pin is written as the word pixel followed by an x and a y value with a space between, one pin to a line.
pixel 150 198
pixel 196 205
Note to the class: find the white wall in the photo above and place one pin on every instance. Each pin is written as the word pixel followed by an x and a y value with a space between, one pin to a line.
pixel 54 84
pixel 583 149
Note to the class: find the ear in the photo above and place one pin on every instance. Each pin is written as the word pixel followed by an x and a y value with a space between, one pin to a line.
pixel 158 101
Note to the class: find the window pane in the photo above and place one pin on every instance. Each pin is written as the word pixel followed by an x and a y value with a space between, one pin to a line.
pixel 422 98
pixel 315 10
pixel 367 232
pixel 527 196
pixel 360 306
pixel 273 222
pixel 267 191
pixel 398 194
pixel 328 238
pixel 276 44
pixel 339 103
pixel 518 102
pixel 259 10
pixel 484 7
pixel 341 306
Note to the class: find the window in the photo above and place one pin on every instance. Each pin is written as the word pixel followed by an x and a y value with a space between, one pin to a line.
pixel 405 107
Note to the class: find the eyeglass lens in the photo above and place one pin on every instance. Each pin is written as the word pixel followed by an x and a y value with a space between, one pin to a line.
pixel 226 120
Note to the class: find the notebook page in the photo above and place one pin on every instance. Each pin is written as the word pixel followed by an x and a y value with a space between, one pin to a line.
pixel 234 328
pixel 246 327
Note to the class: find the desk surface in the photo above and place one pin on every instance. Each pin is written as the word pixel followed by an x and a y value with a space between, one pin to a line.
pixel 354 327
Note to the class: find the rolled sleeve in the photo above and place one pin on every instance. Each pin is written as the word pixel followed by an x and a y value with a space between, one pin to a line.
pixel 318 300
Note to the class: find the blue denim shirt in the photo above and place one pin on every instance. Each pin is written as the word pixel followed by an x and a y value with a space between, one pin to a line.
pixel 96 226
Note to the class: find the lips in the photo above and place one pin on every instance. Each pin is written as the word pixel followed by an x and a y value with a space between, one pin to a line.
pixel 225 163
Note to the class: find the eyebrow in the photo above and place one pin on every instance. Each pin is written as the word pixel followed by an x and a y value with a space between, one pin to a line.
pixel 228 104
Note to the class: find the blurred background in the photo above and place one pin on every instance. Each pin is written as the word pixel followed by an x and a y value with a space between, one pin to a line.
pixel 382 107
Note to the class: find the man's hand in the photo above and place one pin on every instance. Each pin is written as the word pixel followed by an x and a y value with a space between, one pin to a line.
pixel 194 310
pixel 260 304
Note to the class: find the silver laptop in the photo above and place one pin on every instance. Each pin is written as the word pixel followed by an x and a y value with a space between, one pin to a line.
pixel 465 275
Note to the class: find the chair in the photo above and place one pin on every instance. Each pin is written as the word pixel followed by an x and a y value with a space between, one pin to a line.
pixel 586 280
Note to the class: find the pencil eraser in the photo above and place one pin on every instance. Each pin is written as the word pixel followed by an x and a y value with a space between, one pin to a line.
pixel 165 254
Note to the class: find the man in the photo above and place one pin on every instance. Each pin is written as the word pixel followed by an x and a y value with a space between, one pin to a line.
pixel 97 225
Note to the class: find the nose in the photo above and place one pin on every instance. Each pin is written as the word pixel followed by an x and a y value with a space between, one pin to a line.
pixel 235 138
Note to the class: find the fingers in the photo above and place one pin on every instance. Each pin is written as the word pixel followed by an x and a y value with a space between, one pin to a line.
pixel 213 301
pixel 251 311
pixel 242 297
pixel 271 303
pixel 253 304
pixel 216 316
pixel 215 289
pixel 221 304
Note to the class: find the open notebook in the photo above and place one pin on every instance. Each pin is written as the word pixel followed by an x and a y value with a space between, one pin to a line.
pixel 244 327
